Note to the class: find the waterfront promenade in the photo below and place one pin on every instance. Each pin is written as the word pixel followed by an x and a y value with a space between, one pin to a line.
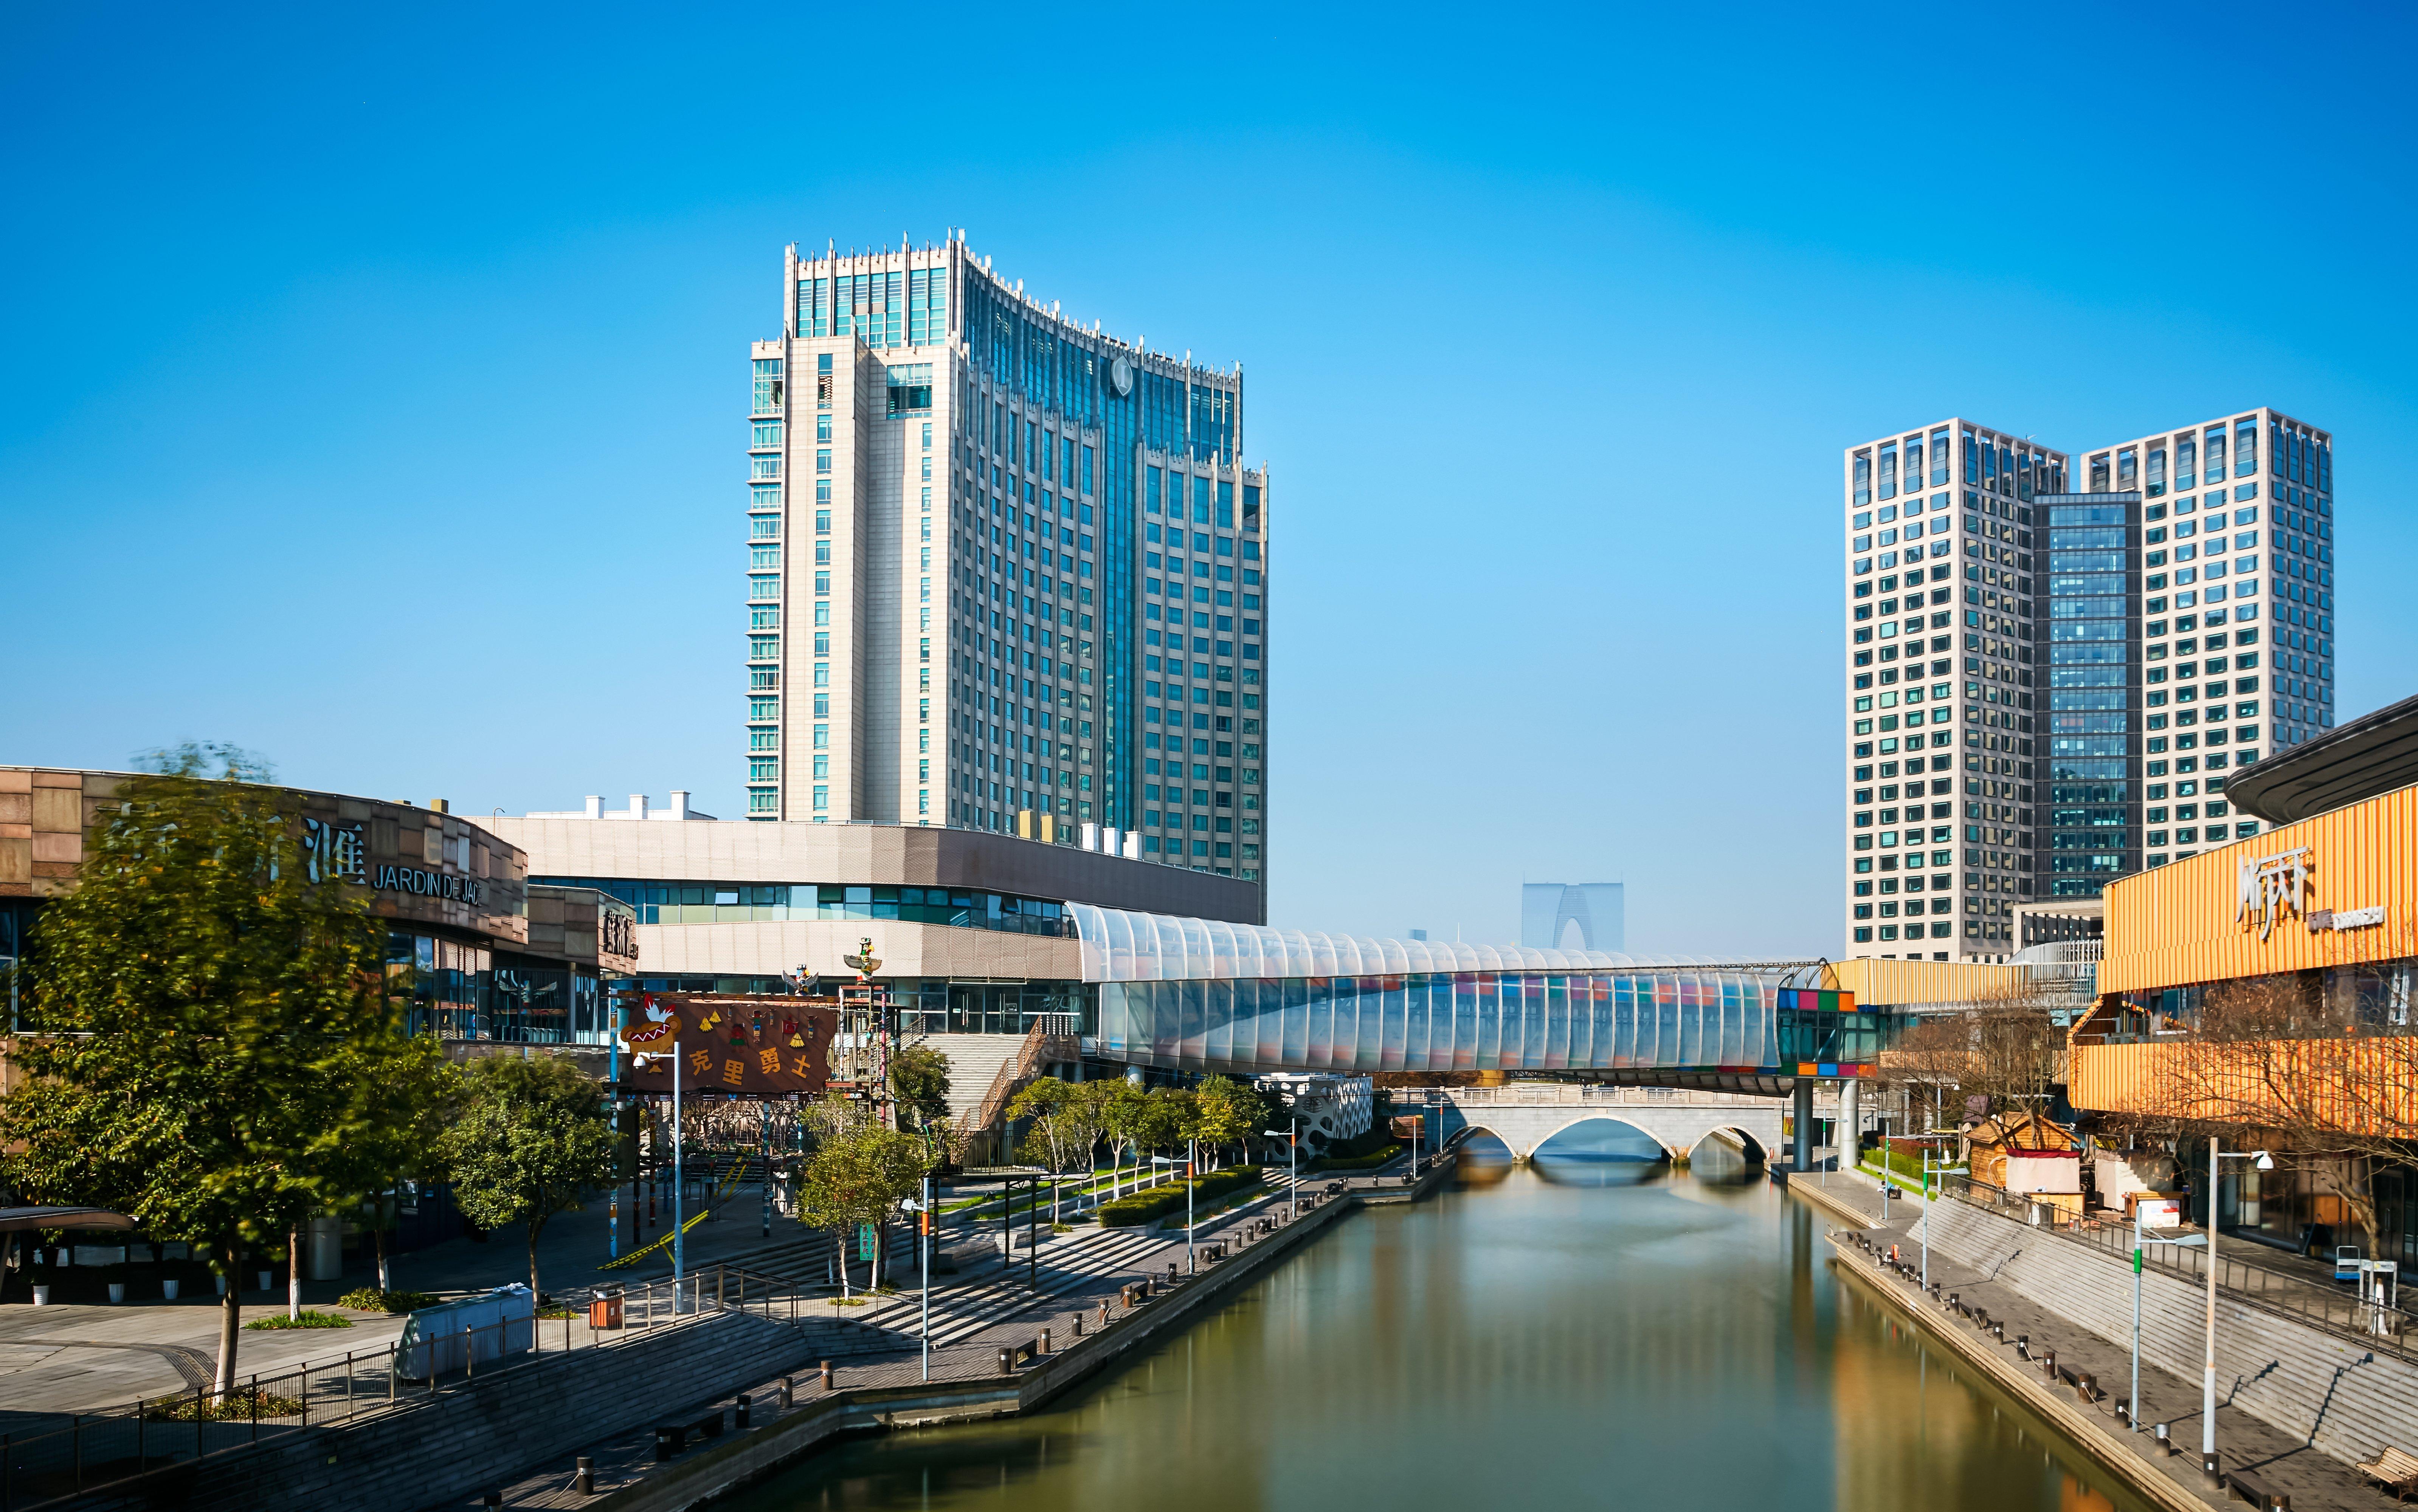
pixel 985 1309
pixel 2316 1481
pixel 776 1321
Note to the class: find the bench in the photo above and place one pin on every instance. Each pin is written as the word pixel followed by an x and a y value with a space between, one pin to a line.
pixel 2258 1492
pixel 2395 1469
pixel 671 1438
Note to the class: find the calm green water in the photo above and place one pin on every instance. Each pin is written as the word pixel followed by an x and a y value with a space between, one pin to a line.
pixel 1582 1332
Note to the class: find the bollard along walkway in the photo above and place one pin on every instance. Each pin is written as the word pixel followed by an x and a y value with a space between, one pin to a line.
pixel 2247 1446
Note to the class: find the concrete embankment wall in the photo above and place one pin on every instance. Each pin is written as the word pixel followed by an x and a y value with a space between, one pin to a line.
pixel 451 1446
pixel 2346 1400
pixel 752 1456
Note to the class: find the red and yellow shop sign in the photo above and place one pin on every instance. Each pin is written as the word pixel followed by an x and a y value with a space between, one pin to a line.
pixel 743 1046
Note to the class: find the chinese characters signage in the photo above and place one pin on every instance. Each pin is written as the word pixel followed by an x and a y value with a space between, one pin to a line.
pixel 2268 887
pixel 333 852
pixel 740 1046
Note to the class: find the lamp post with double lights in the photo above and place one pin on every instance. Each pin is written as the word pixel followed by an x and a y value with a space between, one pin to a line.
pixel 1293 1172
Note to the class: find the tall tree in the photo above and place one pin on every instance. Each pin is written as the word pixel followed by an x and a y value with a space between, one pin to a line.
pixel 207 1021
pixel 530 1139
pixel 1228 1111
pixel 400 1138
pixel 919 1083
pixel 856 1179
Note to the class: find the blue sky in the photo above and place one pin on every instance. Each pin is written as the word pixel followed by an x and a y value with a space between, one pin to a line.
pixel 376 384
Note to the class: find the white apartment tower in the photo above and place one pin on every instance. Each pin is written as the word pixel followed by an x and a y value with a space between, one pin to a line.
pixel 1003 568
pixel 2048 689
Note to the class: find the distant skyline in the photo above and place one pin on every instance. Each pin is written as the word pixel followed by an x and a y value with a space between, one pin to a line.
pixel 374 403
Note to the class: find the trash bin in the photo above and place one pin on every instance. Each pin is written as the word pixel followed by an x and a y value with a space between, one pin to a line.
pixel 604 1309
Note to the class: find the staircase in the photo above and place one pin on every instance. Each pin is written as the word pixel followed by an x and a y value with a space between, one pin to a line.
pixel 986 1070
pixel 974 1060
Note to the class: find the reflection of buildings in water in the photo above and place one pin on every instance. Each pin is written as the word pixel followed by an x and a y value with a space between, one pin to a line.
pixel 1556 1170
pixel 1911 1430
pixel 1483 1161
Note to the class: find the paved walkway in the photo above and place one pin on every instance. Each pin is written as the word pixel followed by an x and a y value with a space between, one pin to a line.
pixel 2316 1481
pixel 72 1358
pixel 983 1309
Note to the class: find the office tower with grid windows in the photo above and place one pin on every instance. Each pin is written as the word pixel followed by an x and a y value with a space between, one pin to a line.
pixel 1943 641
pixel 1005 572
pixel 2229 642
pixel 2094 664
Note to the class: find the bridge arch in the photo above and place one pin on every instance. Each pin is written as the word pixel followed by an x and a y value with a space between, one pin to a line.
pixel 1750 1146
pixel 1524 1143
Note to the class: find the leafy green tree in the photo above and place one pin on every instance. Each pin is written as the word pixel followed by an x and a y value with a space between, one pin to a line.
pixel 1067 1118
pixel 919 1084
pixel 1227 1111
pixel 400 1137
pixel 858 1177
pixel 208 1023
pixel 529 1138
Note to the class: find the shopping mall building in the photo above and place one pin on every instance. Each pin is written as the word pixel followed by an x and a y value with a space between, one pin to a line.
pixel 491 957
pixel 2317 918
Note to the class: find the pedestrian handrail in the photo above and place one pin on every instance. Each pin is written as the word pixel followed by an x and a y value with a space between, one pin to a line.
pixel 88 1452
pixel 2373 1325
pixel 1556 1093
pixel 1038 1048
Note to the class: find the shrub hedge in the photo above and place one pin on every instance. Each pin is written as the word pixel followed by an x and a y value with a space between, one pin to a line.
pixel 1132 1212
pixel 1367 1162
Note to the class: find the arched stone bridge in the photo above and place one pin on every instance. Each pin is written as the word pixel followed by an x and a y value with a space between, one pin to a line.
pixel 1524 1118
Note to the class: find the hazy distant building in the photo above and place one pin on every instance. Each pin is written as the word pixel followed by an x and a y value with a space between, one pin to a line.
pixel 1548 910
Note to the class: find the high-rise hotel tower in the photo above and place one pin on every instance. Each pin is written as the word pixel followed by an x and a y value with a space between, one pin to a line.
pixel 1001 567
pixel 2048 688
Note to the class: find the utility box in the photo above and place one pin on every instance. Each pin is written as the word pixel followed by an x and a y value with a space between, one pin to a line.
pixel 457 1336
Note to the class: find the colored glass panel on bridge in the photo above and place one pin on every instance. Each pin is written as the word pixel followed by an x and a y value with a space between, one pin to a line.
pixel 1207 994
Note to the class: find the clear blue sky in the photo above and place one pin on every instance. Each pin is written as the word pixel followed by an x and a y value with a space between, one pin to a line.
pixel 375 385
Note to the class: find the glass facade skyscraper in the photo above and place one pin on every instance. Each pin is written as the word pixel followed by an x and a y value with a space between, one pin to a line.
pixel 1002 567
pixel 2088 665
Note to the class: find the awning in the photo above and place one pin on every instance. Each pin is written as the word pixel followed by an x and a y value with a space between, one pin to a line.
pixel 14 1220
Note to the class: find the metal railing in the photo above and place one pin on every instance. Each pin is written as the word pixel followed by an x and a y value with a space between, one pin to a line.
pixel 2374 1325
pixel 1557 1093
pixel 86 1452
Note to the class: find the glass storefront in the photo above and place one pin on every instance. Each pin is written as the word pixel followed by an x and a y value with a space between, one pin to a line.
pixel 671 903
pixel 472 992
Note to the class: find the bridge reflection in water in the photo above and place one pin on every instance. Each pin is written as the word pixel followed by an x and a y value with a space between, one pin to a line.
pixel 1204 995
pixel 1664 1343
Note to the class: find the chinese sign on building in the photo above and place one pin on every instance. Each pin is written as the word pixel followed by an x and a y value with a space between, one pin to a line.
pixel 740 1046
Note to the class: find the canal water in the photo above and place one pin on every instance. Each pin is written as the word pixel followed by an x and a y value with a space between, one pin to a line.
pixel 1587 1330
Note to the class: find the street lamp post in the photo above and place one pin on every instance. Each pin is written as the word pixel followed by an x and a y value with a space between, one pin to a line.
pixel 1292 1173
pixel 921 1209
pixel 2208 1378
pixel 679 1181
pixel 2133 1410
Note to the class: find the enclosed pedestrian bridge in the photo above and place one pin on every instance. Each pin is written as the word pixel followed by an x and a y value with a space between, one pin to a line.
pixel 1205 995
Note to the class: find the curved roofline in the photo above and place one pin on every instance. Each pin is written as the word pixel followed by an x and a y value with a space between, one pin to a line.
pixel 1120 945
pixel 2374 753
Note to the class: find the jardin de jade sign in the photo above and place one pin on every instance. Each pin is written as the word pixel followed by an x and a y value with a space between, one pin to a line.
pixel 333 852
